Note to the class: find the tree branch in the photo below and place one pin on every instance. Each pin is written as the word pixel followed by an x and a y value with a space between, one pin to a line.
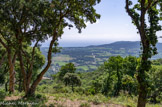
pixel 131 15
pixel 1 41
pixel 29 75
pixel 151 4
pixel 14 58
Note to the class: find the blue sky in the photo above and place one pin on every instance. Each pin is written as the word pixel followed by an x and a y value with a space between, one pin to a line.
pixel 114 25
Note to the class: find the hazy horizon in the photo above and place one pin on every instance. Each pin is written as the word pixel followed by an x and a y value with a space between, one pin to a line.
pixel 81 43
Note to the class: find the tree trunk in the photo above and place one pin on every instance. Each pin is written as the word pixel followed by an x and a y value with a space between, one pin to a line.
pixel 72 87
pixel 32 89
pixel 118 87
pixel 142 92
pixel 6 88
pixel 142 99
pixel 23 72
pixel 11 72
pixel 20 82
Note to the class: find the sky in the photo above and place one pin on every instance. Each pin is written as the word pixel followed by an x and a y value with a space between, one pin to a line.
pixel 114 25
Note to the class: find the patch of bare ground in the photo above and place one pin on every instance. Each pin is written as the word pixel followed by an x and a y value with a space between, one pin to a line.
pixel 76 103
pixel 9 98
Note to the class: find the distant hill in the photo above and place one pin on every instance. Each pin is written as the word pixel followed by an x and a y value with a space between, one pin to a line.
pixel 88 58
pixel 120 44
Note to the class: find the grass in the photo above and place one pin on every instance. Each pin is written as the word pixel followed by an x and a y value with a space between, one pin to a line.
pixel 85 100
pixel 97 99
pixel 83 67
pixel 37 101
pixel 100 99
pixel 153 105
pixel 85 104
pixel 62 58
pixel 124 100
pixel 92 67
pixel 60 63
pixel 129 101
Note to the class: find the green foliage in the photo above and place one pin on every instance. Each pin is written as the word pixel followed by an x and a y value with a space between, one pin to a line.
pixel 113 66
pixel 157 62
pixel 84 104
pixel 68 68
pixel 72 80
pixel 129 84
pixel 2 95
pixel 102 83
pixel 155 84
pixel 97 84
pixel 119 73
pixel 96 100
pixel 3 65
pixel 2 79
pixel 39 61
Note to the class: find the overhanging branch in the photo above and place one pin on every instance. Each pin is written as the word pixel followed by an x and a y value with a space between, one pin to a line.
pixel 135 20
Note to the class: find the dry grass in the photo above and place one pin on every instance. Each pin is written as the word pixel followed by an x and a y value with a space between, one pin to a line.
pixel 63 102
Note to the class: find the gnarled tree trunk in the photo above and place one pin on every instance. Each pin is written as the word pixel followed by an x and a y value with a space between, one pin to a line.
pixel 32 89
pixel 11 72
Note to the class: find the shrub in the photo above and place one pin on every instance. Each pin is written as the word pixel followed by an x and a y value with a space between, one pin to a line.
pixel 85 104
pixel 2 94
pixel 96 100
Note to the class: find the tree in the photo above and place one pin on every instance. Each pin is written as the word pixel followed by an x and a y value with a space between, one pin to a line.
pixel 129 65
pixel 116 64
pixel 68 68
pixel 129 82
pixel 97 85
pixel 11 57
pixel 72 79
pixel 26 21
pixel 155 84
pixel 147 31
pixel 114 69
pixel 39 61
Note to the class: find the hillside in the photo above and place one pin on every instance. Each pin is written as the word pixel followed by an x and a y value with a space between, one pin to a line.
pixel 88 58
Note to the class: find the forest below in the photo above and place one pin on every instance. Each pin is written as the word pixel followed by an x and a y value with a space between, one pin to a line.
pixel 120 74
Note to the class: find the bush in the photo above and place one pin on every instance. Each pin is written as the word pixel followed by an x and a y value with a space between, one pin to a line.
pixel 91 91
pixel 84 104
pixel 40 96
pixel 80 90
pixel 96 101
pixel 2 94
